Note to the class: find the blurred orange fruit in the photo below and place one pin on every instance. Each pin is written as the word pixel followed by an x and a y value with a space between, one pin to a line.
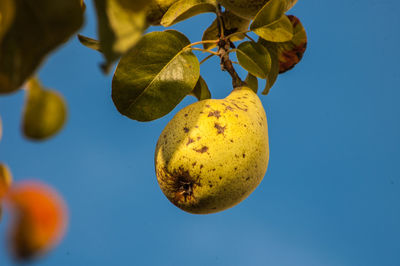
pixel 39 219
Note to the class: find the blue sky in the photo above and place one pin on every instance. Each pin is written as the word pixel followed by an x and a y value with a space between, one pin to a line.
pixel 331 195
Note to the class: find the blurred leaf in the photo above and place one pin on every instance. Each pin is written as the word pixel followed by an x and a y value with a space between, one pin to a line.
pixel 5 179
pixel 254 58
pixel 201 91
pixel 157 10
pixel 290 4
pixel 135 5
pixel 7 13
pixel 39 219
pixel 271 24
pixel 45 112
pixel 185 9
pixel 252 82
pixel 38 28
pixel 119 29
pixel 273 73
pixel 232 24
pixel 89 42
pixel 291 52
pixel 154 76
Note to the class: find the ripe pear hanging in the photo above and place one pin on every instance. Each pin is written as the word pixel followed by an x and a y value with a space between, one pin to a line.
pixel 213 153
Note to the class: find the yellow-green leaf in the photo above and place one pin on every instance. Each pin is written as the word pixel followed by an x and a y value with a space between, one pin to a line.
pixel 290 53
pixel 7 13
pixel 154 76
pixel 45 112
pixel 232 24
pixel 119 28
pixel 273 73
pixel 185 9
pixel 201 91
pixel 38 28
pixel 249 8
pixel 254 58
pixel 271 24
pixel 157 10
pixel 89 42
pixel 252 82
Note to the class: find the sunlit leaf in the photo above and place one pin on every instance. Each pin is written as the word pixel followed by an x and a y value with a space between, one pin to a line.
pixel 254 58
pixel 39 219
pixel 252 82
pixel 291 52
pixel 7 13
pixel 154 76
pixel 271 24
pixel 38 28
pixel 273 73
pixel 119 28
pixel 45 112
pixel 185 9
pixel 201 91
pixel 5 179
pixel 232 24
pixel 89 42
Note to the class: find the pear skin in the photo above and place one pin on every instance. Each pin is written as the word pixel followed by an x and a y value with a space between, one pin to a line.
pixel 213 153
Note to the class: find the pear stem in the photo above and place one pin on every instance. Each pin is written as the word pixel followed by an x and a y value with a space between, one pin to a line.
pixel 224 46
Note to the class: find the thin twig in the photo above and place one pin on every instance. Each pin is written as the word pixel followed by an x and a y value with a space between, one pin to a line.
pixel 220 22
pixel 200 42
pixel 205 51
pixel 206 58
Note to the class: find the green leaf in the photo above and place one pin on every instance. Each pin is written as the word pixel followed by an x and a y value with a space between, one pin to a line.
pixel 89 42
pixel 273 73
pixel 254 58
pixel 271 24
pixel 201 91
pixel 232 24
pixel 38 28
pixel 45 112
pixel 154 76
pixel 252 82
pixel 119 28
pixel 157 10
pixel 7 13
pixel 290 53
pixel 185 9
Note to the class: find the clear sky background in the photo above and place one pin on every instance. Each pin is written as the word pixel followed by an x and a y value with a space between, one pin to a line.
pixel 331 195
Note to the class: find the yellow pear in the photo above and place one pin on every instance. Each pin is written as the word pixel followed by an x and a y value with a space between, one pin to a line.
pixel 157 9
pixel 45 112
pixel 249 8
pixel 213 153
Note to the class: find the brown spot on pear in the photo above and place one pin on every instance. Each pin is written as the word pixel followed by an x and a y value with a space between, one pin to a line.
pixel 188 187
